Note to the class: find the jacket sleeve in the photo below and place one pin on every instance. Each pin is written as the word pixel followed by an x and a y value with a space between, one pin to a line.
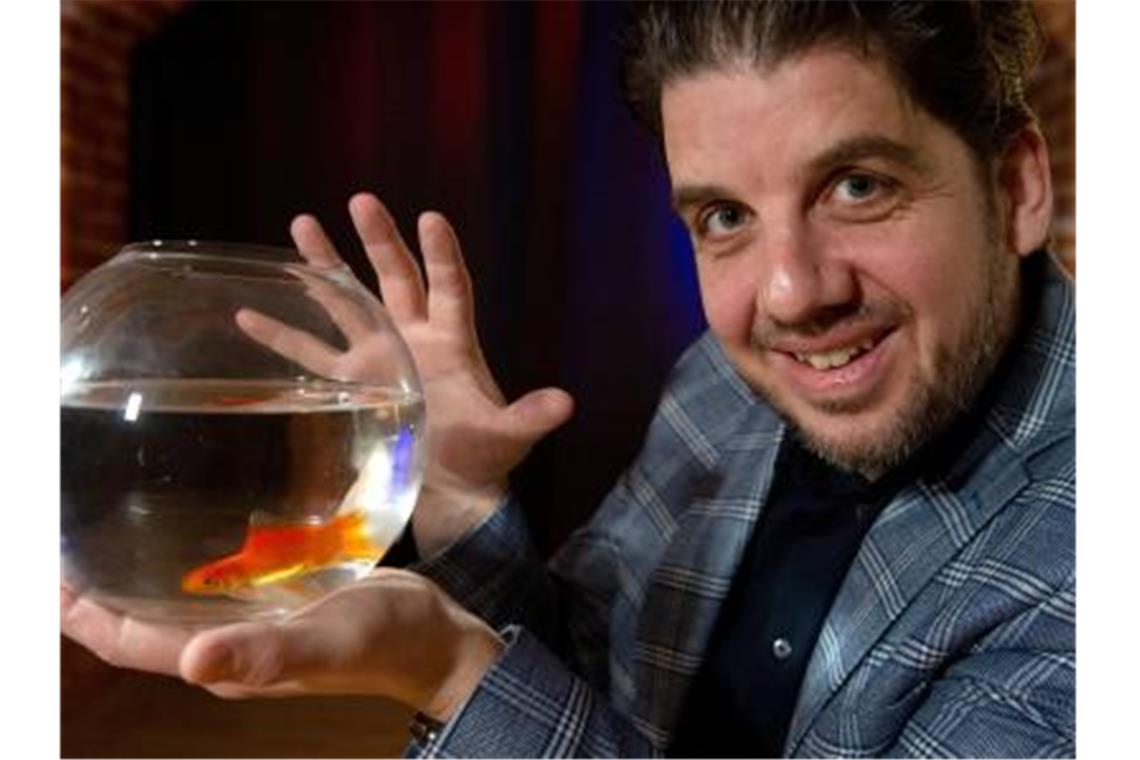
pixel 546 696
pixel 493 570
pixel 1011 697
pixel 557 689
pixel 531 705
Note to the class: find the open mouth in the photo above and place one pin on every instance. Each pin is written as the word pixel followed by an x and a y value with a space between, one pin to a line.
pixel 838 357
pixel 856 366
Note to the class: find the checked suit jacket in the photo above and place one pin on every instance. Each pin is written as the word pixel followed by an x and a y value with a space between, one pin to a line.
pixel 952 633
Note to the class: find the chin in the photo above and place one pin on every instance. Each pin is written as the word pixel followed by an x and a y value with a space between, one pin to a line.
pixel 869 455
pixel 875 443
pixel 870 437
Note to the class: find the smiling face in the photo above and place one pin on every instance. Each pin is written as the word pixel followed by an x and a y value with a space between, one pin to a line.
pixel 854 261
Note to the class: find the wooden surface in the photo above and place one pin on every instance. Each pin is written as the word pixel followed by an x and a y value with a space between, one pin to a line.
pixel 105 712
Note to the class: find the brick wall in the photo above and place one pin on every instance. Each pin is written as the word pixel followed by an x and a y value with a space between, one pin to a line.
pixel 96 38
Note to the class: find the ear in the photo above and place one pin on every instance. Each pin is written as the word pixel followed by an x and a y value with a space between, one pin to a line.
pixel 1026 187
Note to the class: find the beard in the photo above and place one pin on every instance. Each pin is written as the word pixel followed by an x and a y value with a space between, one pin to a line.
pixel 933 399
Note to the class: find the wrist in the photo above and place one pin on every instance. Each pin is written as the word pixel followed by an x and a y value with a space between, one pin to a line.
pixel 477 651
pixel 443 515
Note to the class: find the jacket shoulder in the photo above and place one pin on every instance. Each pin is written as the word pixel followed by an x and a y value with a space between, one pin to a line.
pixel 1038 405
pixel 705 405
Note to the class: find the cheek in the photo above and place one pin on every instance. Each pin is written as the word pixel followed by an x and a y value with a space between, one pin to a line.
pixel 937 283
pixel 729 300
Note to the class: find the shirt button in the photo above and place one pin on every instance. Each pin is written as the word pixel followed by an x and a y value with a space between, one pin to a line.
pixel 781 648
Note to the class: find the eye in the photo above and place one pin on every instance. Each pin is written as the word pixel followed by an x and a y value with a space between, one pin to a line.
pixel 719 220
pixel 861 196
pixel 857 187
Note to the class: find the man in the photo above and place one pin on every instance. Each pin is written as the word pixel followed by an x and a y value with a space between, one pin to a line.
pixel 850 530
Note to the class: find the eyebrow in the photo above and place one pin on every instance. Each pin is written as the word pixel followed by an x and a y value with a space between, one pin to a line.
pixel 685 196
pixel 867 146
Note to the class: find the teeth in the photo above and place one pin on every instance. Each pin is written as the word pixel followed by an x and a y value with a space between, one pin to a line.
pixel 835 358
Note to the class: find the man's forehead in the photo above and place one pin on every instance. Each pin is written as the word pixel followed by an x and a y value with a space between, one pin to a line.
pixel 805 110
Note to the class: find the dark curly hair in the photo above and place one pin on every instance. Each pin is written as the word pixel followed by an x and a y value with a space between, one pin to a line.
pixel 965 63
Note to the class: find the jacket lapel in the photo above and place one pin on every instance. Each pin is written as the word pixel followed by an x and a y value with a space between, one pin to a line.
pixel 686 589
pixel 921 529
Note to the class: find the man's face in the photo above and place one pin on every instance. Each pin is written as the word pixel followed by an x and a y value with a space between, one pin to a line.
pixel 850 254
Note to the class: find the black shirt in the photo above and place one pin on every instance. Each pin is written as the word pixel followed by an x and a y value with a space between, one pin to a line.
pixel 742 699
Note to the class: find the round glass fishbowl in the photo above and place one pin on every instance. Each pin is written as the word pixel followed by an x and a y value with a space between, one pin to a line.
pixel 242 431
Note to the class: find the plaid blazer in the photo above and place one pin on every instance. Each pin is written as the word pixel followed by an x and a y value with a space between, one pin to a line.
pixel 952 633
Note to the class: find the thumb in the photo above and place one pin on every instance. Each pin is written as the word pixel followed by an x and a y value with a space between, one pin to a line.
pixel 539 412
pixel 257 654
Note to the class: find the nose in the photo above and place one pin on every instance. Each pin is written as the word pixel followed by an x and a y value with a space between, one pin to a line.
pixel 801 281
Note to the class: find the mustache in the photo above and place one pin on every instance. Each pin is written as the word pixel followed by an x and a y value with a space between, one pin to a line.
pixel 768 333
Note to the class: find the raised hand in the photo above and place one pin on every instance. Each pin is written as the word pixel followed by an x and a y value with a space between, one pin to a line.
pixel 475 437
pixel 393 634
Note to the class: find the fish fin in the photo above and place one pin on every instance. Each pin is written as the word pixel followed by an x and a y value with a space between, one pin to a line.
pixel 281 574
pixel 289 594
pixel 244 594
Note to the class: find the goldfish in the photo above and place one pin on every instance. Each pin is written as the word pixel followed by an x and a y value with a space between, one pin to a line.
pixel 275 552
pixel 280 552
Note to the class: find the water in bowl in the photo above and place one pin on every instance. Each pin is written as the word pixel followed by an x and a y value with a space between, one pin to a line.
pixel 165 480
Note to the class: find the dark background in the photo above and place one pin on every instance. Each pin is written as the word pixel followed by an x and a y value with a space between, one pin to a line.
pixel 506 117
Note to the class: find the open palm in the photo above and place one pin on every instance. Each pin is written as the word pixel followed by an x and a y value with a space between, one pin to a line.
pixel 393 634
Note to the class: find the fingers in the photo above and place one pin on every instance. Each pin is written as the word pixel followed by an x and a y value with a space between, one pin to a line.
pixel 401 284
pixel 319 648
pixel 296 345
pixel 450 304
pixel 538 413
pixel 352 319
pixel 250 656
pixel 312 242
pixel 324 643
pixel 122 641
pixel 393 634
pixel 232 690
pixel 235 661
